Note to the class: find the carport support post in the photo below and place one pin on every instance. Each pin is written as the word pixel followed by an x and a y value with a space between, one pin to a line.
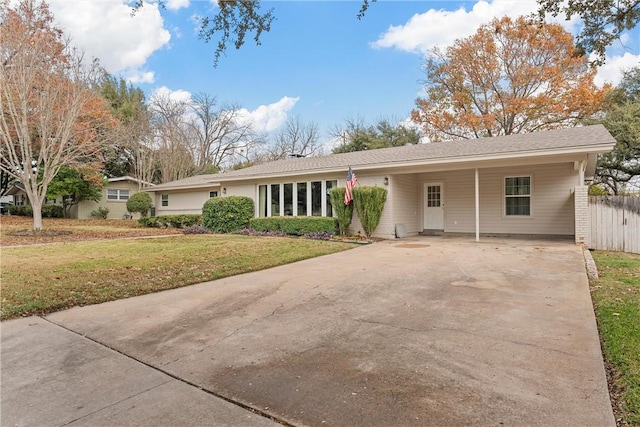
pixel 477 207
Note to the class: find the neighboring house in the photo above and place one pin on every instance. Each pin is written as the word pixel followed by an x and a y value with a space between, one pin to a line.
pixel 525 184
pixel 115 194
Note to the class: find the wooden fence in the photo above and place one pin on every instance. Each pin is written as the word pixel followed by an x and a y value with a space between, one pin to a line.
pixel 615 223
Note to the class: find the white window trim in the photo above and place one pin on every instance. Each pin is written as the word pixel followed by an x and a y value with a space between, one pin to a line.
pixel 504 196
pixel 118 196
pixel 323 201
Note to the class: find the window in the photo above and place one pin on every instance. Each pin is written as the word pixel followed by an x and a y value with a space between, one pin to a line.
pixel 165 199
pixel 275 199
pixel 433 196
pixel 296 198
pixel 262 200
pixel 330 185
pixel 316 198
pixel 213 194
pixel 288 199
pixel 116 194
pixel 517 193
pixel 302 198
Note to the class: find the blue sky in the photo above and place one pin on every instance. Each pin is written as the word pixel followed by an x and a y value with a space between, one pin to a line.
pixel 318 62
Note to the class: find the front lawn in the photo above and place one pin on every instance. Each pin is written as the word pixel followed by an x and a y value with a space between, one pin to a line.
pixel 17 230
pixel 45 278
pixel 616 300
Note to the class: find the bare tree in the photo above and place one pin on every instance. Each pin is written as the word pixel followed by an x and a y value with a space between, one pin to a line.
pixel 50 114
pixel 295 139
pixel 218 134
pixel 171 137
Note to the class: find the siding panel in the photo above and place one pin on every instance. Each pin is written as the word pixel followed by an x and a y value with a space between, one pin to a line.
pixel 551 203
pixel 405 202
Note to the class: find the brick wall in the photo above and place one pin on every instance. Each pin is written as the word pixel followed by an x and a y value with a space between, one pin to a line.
pixel 581 204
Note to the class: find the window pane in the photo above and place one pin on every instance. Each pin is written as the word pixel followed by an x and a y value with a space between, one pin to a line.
pixel 262 201
pixel 302 199
pixel 165 200
pixel 288 199
pixel 517 186
pixel 275 199
pixel 213 194
pixel 316 198
pixel 112 194
pixel 518 206
pixel 433 196
pixel 330 185
pixel 124 194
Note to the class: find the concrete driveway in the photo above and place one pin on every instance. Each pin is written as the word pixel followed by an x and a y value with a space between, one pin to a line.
pixel 413 332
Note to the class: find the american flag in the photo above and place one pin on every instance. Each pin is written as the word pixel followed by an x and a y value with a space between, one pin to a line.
pixel 352 180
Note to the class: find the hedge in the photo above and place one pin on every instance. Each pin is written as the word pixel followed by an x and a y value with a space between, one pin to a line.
pixel 52 211
pixel 174 221
pixel 295 225
pixel 227 214
pixel 23 210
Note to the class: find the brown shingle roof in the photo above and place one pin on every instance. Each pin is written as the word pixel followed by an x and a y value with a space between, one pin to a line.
pixel 582 139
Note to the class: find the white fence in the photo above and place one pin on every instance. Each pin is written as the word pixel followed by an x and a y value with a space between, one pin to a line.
pixel 615 223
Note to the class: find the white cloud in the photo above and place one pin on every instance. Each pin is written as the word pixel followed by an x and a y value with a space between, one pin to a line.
pixel 267 118
pixel 164 92
pixel 611 71
pixel 440 28
pixel 177 4
pixel 137 76
pixel 107 31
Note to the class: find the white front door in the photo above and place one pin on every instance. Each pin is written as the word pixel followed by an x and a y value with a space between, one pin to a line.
pixel 433 206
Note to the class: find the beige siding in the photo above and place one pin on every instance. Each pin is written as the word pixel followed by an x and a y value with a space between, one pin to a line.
pixel 244 190
pixel 117 208
pixel 551 203
pixel 184 201
pixel 405 202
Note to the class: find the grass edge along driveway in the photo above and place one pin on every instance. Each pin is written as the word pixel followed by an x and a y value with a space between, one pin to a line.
pixel 616 300
pixel 37 280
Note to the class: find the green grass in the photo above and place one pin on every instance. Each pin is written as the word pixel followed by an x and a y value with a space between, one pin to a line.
pixel 41 279
pixel 616 299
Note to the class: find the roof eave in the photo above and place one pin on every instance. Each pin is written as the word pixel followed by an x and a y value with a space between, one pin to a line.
pixel 592 149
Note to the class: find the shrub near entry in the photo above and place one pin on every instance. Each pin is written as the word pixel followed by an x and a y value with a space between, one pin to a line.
pixel 369 203
pixel 227 214
pixel 140 202
pixel 295 225
pixel 344 213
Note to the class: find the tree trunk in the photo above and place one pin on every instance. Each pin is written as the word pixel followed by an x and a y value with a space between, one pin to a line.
pixel 36 205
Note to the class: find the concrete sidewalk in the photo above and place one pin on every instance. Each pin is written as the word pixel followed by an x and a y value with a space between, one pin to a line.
pixel 417 332
pixel 55 377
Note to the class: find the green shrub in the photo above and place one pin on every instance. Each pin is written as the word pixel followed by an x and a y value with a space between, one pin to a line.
pixel 227 214
pixel 295 225
pixel 344 213
pixel 175 221
pixel 140 202
pixel 369 203
pixel 23 210
pixel 101 213
pixel 52 211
